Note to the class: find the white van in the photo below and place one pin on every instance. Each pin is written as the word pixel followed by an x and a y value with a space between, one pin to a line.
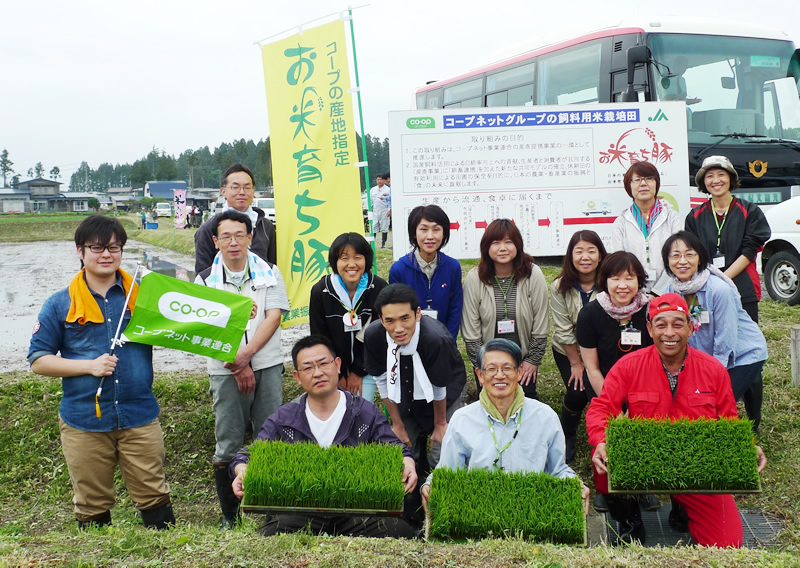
pixel 780 258
pixel 267 204
pixel 163 209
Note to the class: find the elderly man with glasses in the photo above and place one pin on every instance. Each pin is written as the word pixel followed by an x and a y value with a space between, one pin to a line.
pixel 503 430
pixel 248 390
pixel 327 416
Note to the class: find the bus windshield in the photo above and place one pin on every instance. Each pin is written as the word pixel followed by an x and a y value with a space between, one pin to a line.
pixel 731 85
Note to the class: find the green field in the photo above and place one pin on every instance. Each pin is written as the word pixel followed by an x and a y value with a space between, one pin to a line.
pixel 37 527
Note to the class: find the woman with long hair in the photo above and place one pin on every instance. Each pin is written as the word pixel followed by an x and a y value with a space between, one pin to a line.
pixel 575 287
pixel 434 276
pixel 341 308
pixel 643 227
pixel 723 329
pixel 505 296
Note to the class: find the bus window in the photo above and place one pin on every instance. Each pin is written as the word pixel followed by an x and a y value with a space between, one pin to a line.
pixel 511 78
pixel 722 80
pixel 421 100
pixel 569 77
pixel 463 91
pixel 519 96
pixel 434 99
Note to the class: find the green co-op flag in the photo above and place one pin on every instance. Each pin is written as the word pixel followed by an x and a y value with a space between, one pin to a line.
pixel 189 317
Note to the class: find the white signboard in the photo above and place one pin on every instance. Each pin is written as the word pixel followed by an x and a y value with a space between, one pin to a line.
pixel 553 170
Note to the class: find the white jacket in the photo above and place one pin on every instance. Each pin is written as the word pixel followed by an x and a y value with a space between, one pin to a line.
pixel 627 236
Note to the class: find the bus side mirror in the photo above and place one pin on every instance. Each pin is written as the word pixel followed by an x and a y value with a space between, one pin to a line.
pixel 728 82
pixel 637 55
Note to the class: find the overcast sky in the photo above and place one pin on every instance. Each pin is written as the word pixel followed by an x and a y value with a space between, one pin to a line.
pixel 106 81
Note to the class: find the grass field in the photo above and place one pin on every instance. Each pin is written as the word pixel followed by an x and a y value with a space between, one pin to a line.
pixel 37 526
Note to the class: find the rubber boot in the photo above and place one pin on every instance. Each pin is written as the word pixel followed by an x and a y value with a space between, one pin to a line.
pixel 383 239
pixel 228 501
pixel 569 423
pixel 625 510
pixel 678 519
pixel 159 518
pixel 101 520
pixel 753 400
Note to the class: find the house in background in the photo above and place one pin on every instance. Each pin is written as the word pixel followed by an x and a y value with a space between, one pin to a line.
pixel 15 200
pixel 45 195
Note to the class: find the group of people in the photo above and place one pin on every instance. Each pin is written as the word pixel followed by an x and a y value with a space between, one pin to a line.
pixel 643 330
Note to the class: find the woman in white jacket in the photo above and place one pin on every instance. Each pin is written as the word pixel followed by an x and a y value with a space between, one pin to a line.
pixel 643 227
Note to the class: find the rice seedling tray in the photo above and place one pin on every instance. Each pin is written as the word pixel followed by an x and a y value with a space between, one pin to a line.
pixel 685 456
pixel 476 504
pixel 364 480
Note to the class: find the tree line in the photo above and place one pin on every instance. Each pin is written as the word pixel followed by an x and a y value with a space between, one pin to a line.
pixel 199 168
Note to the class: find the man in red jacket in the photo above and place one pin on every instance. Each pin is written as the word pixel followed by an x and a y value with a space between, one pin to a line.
pixel 667 380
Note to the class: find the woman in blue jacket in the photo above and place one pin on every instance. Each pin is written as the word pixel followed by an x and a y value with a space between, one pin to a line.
pixel 434 276
pixel 723 328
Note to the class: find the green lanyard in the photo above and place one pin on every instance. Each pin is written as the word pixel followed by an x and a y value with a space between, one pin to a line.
pixel 496 447
pixel 724 218
pixel 505 293
pixel 232 281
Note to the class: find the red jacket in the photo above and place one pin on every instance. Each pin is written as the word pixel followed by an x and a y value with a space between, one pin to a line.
pixel 639 381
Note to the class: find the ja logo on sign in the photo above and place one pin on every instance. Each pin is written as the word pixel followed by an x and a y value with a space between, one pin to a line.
pixel 658 116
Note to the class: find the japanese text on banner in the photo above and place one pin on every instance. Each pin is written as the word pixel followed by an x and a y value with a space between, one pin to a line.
pixel 313 143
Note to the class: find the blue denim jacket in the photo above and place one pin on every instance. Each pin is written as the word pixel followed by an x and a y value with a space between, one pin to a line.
pixel 127 400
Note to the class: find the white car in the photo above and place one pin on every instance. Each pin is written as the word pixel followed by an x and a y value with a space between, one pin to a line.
pixel 780 259
pixel 163 209
pixel 268 206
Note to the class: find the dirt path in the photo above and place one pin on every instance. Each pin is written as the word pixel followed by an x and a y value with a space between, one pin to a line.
pixel 32 272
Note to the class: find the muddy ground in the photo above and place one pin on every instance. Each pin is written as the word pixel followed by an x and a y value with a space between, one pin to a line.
pixel 31 272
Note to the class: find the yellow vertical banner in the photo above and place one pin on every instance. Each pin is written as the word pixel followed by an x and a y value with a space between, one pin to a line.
pixel 314 155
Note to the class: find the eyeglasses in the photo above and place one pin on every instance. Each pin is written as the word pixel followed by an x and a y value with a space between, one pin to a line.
pixel 393 374
pixel 323 366
pixel 688 255
pixel 508 371
pixel 637 181
pixel 98 249
pixel 236 188
pixel 225 239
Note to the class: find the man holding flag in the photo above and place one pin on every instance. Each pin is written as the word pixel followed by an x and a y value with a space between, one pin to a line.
pixel 73 339
pixel 250 389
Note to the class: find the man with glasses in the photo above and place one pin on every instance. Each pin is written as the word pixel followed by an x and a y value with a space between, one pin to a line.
pixel 327 416
pixel 72 339
pixel 248 390
pixel 238 189
pixel 504 431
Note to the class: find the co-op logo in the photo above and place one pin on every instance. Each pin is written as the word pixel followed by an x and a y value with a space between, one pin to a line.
pixel 185 308
pixel 420 122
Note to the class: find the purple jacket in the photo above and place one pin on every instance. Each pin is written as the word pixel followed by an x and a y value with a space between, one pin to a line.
pixel 362 423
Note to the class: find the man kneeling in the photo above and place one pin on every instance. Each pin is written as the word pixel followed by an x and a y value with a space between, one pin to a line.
pixel 490 433
pixel 679 382
pixel 327 416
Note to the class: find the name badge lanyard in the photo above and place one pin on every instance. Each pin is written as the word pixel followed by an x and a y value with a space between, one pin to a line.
pixel 429 280
pixel 505 293
pixel 496 462
pixel 720 226
pixel 115 341
pixel 351 315
pixel 631 340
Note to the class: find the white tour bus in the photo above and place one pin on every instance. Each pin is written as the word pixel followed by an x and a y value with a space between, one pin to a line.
pixel 739 82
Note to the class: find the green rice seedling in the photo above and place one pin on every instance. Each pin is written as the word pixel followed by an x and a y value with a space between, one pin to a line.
pixel 686 455
pixel 479 503
pixel 304 475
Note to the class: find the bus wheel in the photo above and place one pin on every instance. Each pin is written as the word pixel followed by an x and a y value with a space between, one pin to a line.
pixel 782 277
